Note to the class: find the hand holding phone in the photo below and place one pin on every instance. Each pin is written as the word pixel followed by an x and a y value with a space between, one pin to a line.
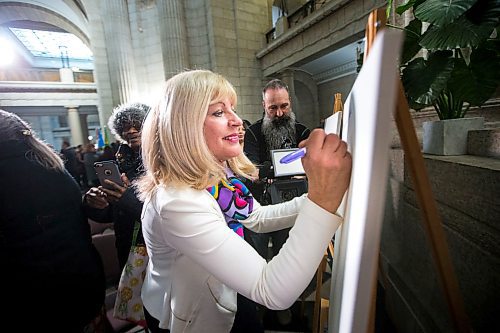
pixel 96 198
pixel 108 170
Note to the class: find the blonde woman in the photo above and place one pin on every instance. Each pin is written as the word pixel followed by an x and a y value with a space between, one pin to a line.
pixel 195 207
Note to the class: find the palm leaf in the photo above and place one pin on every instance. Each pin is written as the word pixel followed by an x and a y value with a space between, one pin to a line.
pixel 425 80
pixel 477 82
pixel 403 8
pixel 439 12
pixel 459 33
pixel 485 12
pixel 442 80
pixel 411 42
pixel 410 4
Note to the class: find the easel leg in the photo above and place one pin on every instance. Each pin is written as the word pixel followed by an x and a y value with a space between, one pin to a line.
pixel 431 219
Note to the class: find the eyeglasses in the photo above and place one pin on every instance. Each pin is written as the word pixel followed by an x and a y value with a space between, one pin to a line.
pixel 134 125
pixel 282 107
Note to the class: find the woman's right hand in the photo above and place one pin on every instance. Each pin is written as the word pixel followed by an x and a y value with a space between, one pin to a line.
pixel 96 198
pixel 327 164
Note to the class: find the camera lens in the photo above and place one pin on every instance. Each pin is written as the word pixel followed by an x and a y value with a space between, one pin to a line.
pixel 107 172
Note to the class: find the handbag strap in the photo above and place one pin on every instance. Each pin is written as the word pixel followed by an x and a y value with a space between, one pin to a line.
pixel 137 227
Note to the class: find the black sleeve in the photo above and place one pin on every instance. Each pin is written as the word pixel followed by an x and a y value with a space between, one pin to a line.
pixel 252 150
pixel 303 134
pixel 104 215
pixel 251 147
pixel 130 203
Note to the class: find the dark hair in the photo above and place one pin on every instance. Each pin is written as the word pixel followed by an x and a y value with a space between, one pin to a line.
pixel 13 128
pixel 128 114
pixel 274 84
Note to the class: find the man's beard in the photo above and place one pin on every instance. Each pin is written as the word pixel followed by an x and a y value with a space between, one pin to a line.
pixel 279 132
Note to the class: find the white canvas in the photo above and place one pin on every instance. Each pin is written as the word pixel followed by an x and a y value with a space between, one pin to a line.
pixel 333 123
pixel 367 130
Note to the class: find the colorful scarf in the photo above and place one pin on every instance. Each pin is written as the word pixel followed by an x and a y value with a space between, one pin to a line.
pixel 235 201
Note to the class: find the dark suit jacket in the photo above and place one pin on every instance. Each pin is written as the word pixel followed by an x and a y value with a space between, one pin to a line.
pixel 255 143
pixel 257 151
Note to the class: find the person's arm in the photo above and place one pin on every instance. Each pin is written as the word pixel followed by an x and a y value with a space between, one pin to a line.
pixel 251 146
pixel 274 217
pixel 305 134
pixel 95 207
pixel 195 228
pixel 124 197
pixel 302 133
pixel 194 225
pixel 252 149
pixel 130 203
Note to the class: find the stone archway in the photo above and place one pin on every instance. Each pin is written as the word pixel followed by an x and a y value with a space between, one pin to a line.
pixel 19 11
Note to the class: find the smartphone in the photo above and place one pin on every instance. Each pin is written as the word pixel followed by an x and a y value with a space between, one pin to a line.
pixel 108 170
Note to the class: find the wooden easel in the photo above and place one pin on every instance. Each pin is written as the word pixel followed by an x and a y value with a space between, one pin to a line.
pixel 321 305
pixel 431 219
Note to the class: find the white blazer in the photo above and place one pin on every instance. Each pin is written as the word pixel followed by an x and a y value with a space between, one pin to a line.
pixel 197 263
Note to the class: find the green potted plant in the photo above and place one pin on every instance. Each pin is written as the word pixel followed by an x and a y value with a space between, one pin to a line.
pixel 458 65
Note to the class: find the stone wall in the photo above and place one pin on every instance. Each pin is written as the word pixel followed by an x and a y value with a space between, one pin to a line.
pixel 145 43
pixel 466 189
pixel 327 91
pixel 337 23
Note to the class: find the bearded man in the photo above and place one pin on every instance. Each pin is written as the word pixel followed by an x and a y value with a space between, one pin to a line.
pixel 278 129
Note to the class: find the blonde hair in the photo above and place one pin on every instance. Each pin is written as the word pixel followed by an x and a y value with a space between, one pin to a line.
pixel 13 128
pixel 174 149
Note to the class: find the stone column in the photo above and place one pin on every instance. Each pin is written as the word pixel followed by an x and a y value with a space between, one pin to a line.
pixel 75 126
pixel 66 75
pixel 119 50
pixel 173 36
pixel 85 128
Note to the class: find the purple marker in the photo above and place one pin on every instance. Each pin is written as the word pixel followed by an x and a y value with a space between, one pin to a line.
pixel 293 156
pixel 333 124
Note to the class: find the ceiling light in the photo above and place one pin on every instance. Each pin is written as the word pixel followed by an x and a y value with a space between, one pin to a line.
pixel 7 55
